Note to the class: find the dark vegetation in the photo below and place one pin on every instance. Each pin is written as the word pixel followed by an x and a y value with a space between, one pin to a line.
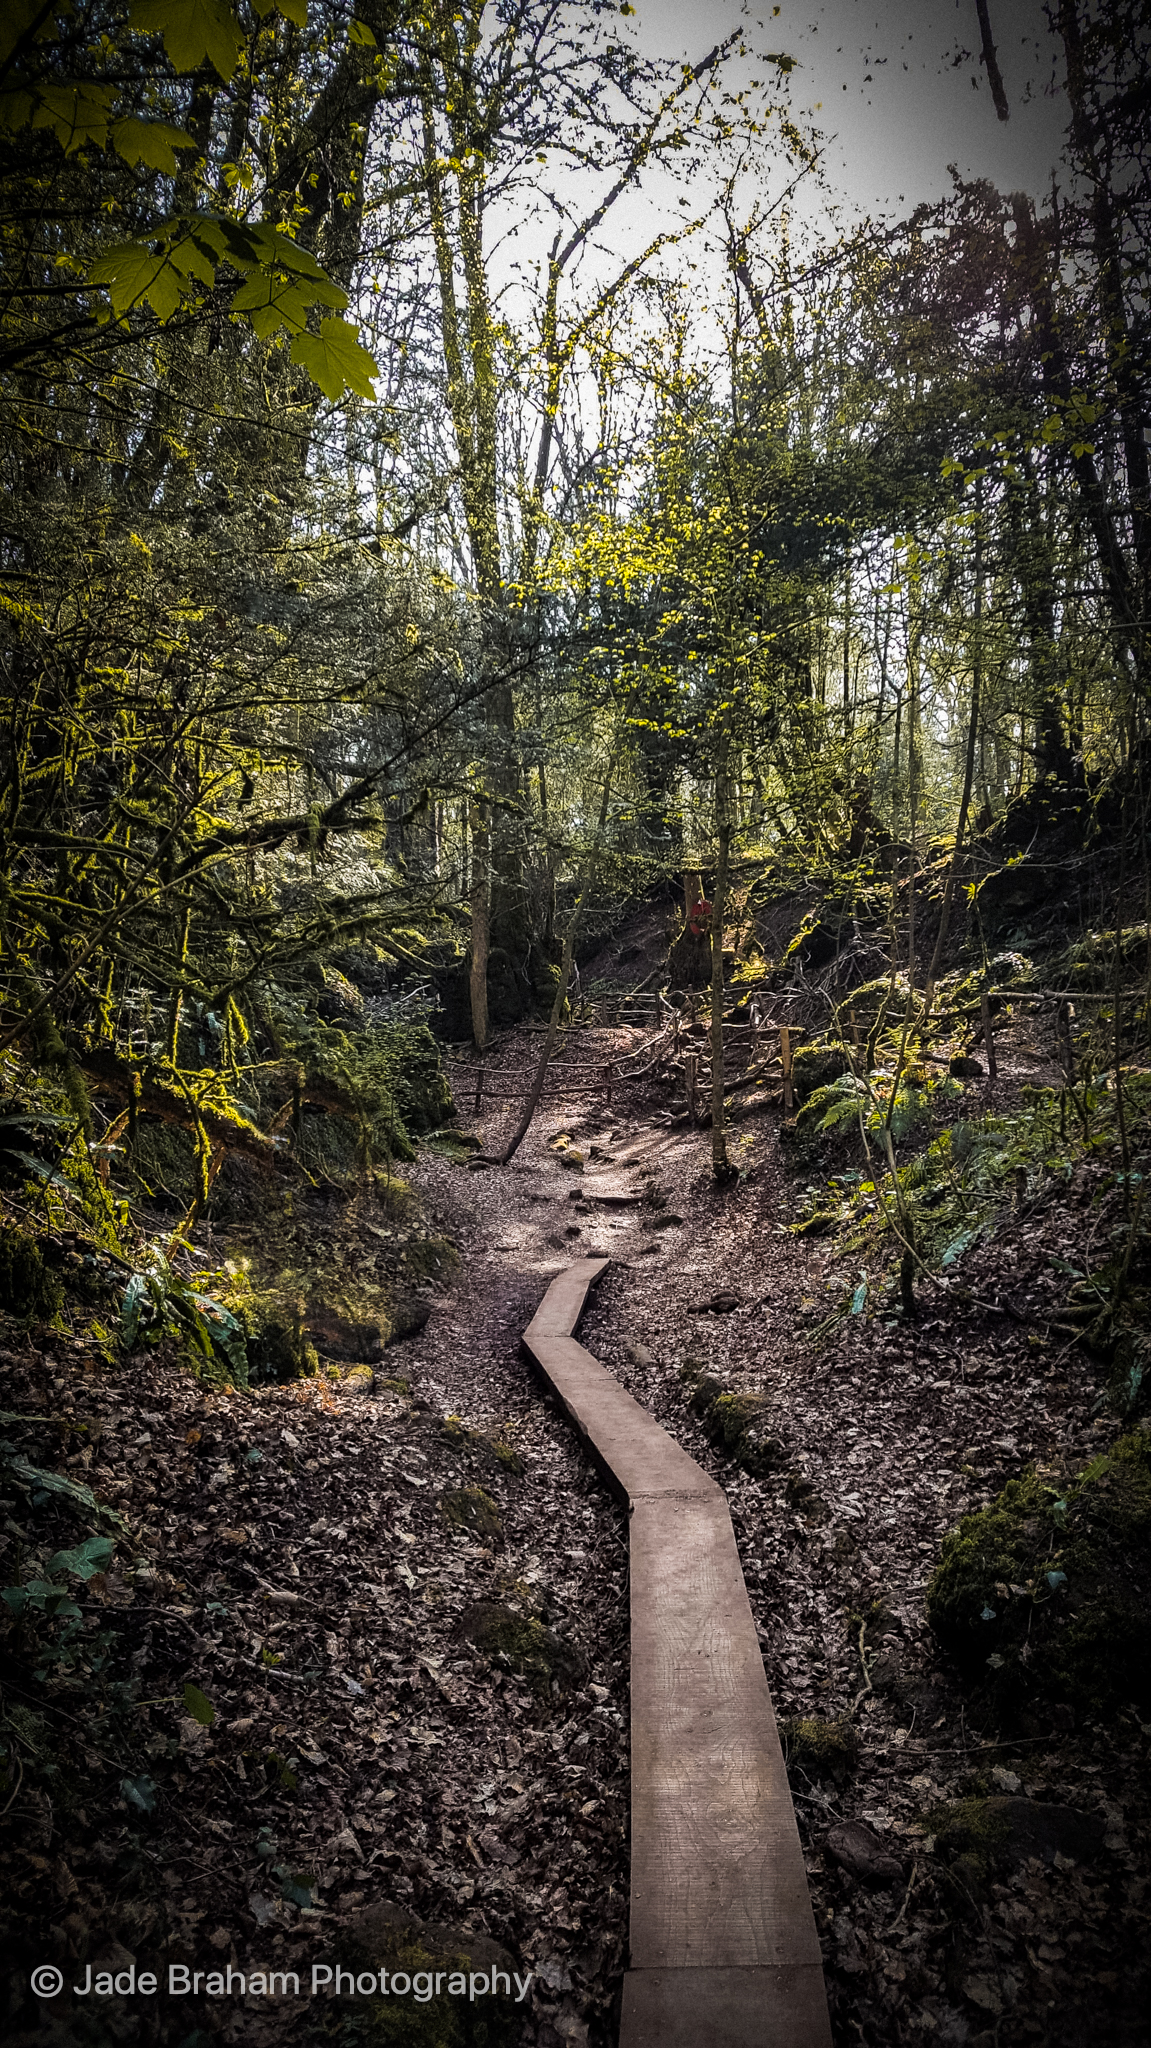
pixel 325 644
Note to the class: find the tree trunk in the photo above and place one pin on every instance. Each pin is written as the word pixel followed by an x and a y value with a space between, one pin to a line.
pixel 720 1164
pixel 481 903
pixel 968 766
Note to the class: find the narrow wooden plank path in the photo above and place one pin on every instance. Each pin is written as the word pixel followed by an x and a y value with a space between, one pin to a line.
pixel 723 1945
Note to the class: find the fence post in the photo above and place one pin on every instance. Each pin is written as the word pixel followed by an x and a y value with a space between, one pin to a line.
pixel 785 1062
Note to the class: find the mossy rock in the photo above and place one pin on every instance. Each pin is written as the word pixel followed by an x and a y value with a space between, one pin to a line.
pixel 979 1839
pixel 399 1942
pixel 28 1287
pixel 1045 1597
pixel 430 1258
pixel 816 1066
pixel 278 1345
pixel 820 1749
pixel 471 1442
pixel 360 1379
pixel 473 1512
pixel 524 1645
pixel 737 1424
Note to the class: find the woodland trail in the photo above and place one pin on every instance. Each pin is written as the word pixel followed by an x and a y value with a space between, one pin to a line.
pixel 889 1432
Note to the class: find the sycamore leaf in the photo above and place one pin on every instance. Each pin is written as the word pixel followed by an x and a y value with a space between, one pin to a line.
pixel 360 34
pixel 292 10
pixel 151 143
pixel 130 272
pixel 76 114
pixel 273 301
pixel 336 360
pixel 192 30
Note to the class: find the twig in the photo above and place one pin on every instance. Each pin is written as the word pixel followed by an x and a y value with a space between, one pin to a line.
pixel 906 1895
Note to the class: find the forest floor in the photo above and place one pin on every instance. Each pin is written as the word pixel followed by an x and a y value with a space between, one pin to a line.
pixel 408 1610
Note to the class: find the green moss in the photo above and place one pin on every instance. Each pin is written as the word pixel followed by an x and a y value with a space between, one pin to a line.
pixel 432 1258
pixel 1045 1594
pixel 272 1320
pixel 395 1942
pixel 28 1287
pixel 737 1424
pixel 471 1442
pixel 523 1644
pixel 820 1748
pixel 970 1838
pixel 473 1511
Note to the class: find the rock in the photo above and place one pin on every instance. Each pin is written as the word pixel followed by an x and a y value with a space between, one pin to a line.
pixel 720 1304
pixel 359 1379
pixel 572 1160
pixel 409 1317
pixel 802 1496
pixel 820 1748
pixel 965 1069
pixel 525 1645
pixel 859 1851
pixel 394 1937
pixel 638 1354
pixel 470 1508
pixel 337 1336
pixel 1001 1832
pixel 665 1220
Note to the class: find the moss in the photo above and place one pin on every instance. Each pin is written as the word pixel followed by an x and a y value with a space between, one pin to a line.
pixel 1045 1594
pixel 815 1066
pixel 393 1386
pixel 471 1442
pixel 524 1645
pixel 821 1749
pixel 473 1511
pixel 432 1258
pixel 388 1939
pixel 272 1320
pixel 736 1424
pixel 970 1838
pixel 27 1286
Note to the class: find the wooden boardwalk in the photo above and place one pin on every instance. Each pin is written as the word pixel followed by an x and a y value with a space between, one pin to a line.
pixel 723 1945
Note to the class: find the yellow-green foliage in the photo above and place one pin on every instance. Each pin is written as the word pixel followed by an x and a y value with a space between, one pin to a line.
pixel 1045 1593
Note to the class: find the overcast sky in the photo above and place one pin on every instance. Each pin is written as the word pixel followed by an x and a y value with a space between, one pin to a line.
pixel 889 82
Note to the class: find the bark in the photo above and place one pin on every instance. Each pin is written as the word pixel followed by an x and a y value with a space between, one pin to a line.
pixel 720 1164
pixel 968 767
pixel 481 904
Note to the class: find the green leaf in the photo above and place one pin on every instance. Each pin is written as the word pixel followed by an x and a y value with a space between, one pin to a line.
pixel 80 1497
pixel 361 35
pixel 336 360
pixel 152 143
pixel 77 114
pixel 192 30
pixel 296 1887
pixel 135 1295
pixel 85 1561
pixel 130 272
pixel 199 1706
pixel 859 1297
pixel 140 1793
pixel 959 1244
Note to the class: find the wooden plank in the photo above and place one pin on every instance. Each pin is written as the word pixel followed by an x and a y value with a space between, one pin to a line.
pixel 735 2008
pixel 723 1946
